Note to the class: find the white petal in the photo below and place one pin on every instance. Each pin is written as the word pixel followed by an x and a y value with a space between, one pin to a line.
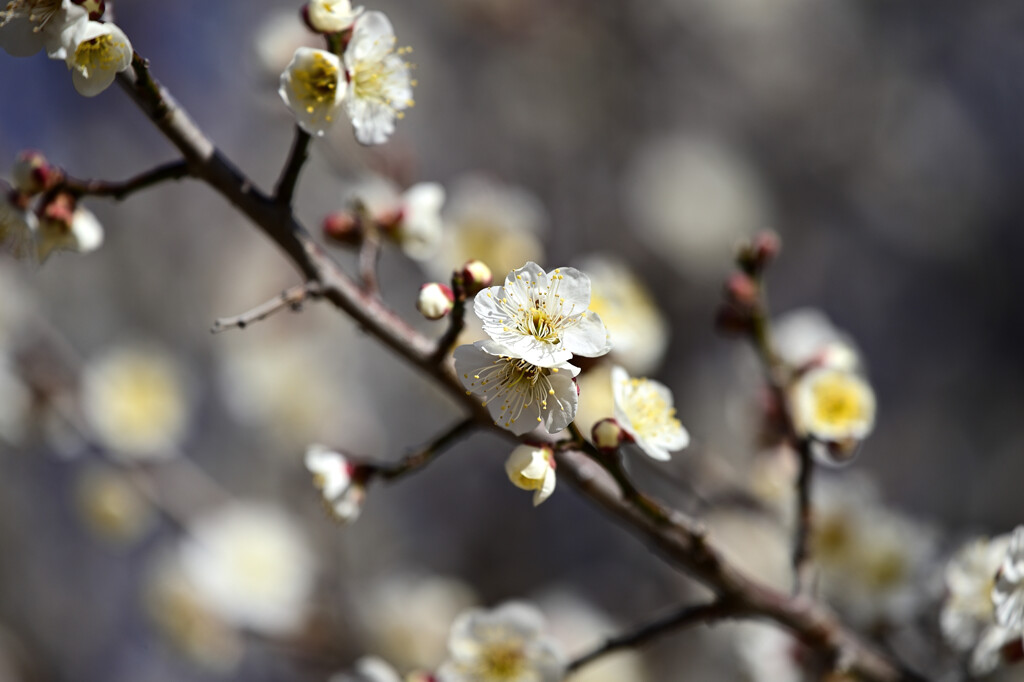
pixel 562 411
pixel 86 229
pixel 548 487
pixel 372 39
pixel 374 122
pixel 588 337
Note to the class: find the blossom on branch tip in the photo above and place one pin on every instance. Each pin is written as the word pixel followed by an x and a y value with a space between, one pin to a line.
pixel 313 87
pixel 518 394
pixel 476 276
pixel 80 232
pixel 97 53
pixel 337 480
pixel 506 644
pixel 834 406
pixel 381 88
pixel 32 173
pixel 531 467
pixel 644 409
pixel 27 26
pixel 330 16
pixel 435 300
pixel 543 317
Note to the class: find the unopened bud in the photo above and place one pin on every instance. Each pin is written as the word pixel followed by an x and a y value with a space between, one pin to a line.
pixel 329 16
pixel 33 174
pixel 343 228
pixel 532 467
pixel 95 8
pixel 755 255
pixel 475 276
pixel 607 435
pixel 435 300
pixel 742 290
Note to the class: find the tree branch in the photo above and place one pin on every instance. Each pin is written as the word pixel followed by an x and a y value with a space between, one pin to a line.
pixel 291 298
pixel 175 170
pixel 804 522
pixel 290 173
pixel 429 453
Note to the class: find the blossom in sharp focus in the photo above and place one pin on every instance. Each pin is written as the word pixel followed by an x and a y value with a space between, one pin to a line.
pixel 331 16
pixel 832 405
pixel 313 87
pixel 368 669
pixel 644 408
pixel 506 644
pixel 543 317
pixel 519 395
pixel 333 476
pixel 97 52
pixel 252 565
pixel 531 467
pixel 27 26
pixel 1008 593
pixel 381 88
pixel 81 234
pixel 136 402
pixel 18 225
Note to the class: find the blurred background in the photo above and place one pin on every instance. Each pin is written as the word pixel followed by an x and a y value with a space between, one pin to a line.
pixel 880 140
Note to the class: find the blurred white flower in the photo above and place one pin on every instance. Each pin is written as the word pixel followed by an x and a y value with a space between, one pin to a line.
pixel 27 26
pixel 412 219
pixel 644 408
pixel 506 644
pixel 17 225
pixel 277 39
pixel 770 654
pixel 754 543
pixel 638 330
pixel 532 467
pixel 313 87
pixel 833 405
pixel 543 317
pixel 368 669
pixel 252 565
pixel 136 401
pixel 333 477
pixel 805 336
pixel 381 88
pixel 112 507
pixel 692 199
pixel 1008 593
pixel 597 400
pixel 518 394
pixel 97 52
pixel 331 16
pixel 82 235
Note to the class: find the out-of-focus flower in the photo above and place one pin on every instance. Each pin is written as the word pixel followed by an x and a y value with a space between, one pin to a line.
pixel 411 219
pixel 97 52
pixel 806 337
pixel 277 39
pixel 331 16
pixel 692 199
pixel 435 300
pixel 313 87
pixel 832 405
pixel 644 408
pixel 18 225
pixel 476 276
pixel 638 331
pixel 504 644
pixel 381 88
pixel 80 233
pixel 27 26
pixel 608 435
pixel 519 395
pixel 492 222
pixel 1008 593
pixel 136 401
pixel 112 507
pixel 543 317
pixel 597 400
pixel 33 174
pixel 769 654
pixel 369 669
pixel 251 564
pixel 334 476
pixel 532 467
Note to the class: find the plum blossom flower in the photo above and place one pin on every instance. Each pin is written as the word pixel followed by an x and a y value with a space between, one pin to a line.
pixel 335 476
pixel 81 234
pixel 518 394
pixel 313 87
pixel 381 88
pixel 412 219
pixel 532 467
pixel 506 644
pixel 832 405
pixel 331 16
pixel 97 53
pixel 543 317
pixel 805 337
pixel 644 408
pixel 27 26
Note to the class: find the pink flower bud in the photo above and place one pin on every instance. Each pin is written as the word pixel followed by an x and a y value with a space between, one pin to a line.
pixel 343 228
pixel 435 300
pixel 742 290
pixel 476 276
pixel 607 435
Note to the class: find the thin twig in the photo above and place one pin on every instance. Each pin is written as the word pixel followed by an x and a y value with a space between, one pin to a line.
pixel 804 522
pixel 175 170
pixel 293 166
pixel 684 617
pixel 428 453
pixel 292 298
pixel 456 320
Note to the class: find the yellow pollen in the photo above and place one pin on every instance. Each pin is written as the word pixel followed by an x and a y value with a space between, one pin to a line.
pixel 97 54
pixel 838 400
pixel 316 85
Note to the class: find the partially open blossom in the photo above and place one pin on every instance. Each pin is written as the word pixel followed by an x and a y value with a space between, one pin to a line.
pixel 644 408
pixel 313 87
pixel 833 405
pixel 32 173
pixel 27 26
pixel 435 300
pixel 519 395
pixel 543 317
pixel 381 88
pixel 506 644
pixel 330 16
pixel 476 276
pixel 334 476
pixel 607 434
pixel 97 53
pixel 368 669
pixel 532 467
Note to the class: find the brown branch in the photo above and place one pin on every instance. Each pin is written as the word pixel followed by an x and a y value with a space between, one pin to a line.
pixel 175 170
pixel 687 616
pixel 427 454
pixel 293 166
pixel 680 544
pixel 369 256
pixel 456 320
pixel 292 298
pixel 802 566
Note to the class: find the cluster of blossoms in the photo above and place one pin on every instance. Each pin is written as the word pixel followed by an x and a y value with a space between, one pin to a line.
pixel 72 30
pixel 362 70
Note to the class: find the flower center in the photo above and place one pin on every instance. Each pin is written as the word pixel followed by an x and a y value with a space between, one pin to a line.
pixel 886 570
pixel 837 402
pixel 541 326
pixel 648 412
pixel 317 85
pixel 97 54
pixel 503 662
pixel 373 80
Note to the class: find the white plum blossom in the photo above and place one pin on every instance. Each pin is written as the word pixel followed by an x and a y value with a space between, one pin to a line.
pixel 369 669
pixel 313 87
pixel 506 644
pixel 333 477
pixel 805 337
pixel 420 229
pixel 381 87
pixel 331 16
pixel 543 317
pixel 97 52
pixel 644 408
pixel 27 26
pixel 82 235
pixel 1008 593
pixel 18 225
pixel 518 394
pixel 532 467
pixel 435 300
pixel 252 565
pixel 832 404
